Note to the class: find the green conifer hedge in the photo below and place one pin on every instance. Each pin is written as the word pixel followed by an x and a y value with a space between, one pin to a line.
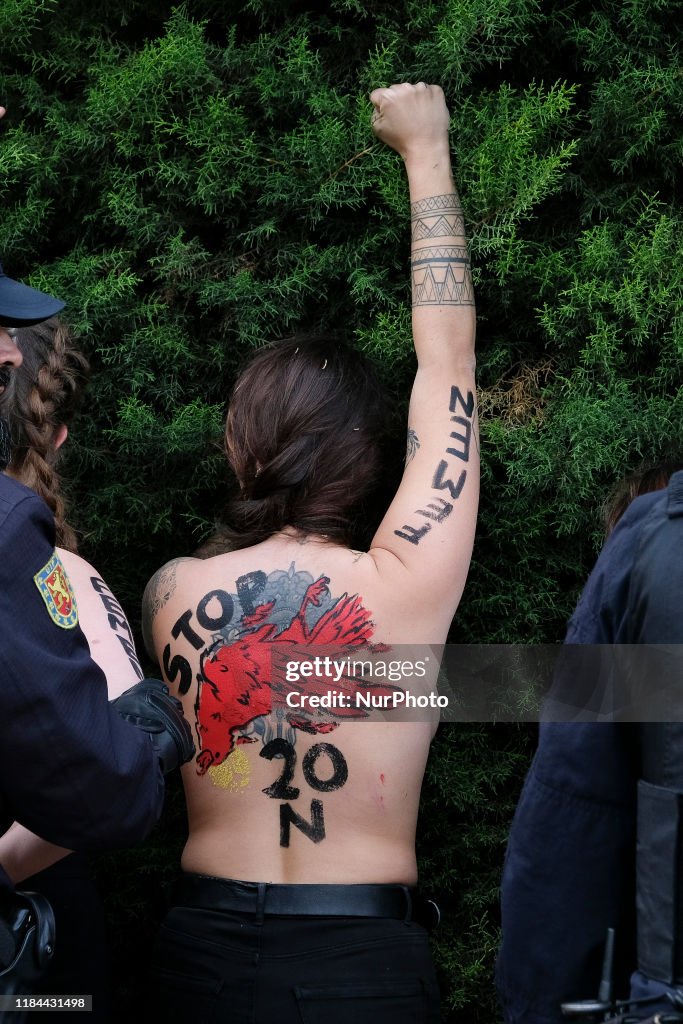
pixel 196 179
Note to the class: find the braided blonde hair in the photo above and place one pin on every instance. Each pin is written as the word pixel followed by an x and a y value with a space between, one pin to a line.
pixel 46 392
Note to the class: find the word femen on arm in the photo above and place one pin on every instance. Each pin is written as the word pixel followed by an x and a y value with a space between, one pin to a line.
pixel 435 506
pixel 449 475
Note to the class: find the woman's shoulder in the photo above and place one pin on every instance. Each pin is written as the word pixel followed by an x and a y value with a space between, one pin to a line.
pixel 77 568
pixel 104 623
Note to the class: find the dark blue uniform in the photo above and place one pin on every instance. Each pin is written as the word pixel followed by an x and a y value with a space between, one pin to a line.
pixel 71 769
pixel 570 865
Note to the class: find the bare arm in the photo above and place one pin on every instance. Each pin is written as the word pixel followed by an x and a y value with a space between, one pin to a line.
pixel 22 853
pixel 105 625
pixel 425 540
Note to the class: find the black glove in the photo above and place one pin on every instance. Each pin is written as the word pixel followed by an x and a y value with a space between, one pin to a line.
pixel 150 707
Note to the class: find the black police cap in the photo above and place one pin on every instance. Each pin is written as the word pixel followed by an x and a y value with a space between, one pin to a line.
pixel 22 306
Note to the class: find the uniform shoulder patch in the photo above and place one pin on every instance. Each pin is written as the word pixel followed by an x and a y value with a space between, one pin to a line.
pixel 55 589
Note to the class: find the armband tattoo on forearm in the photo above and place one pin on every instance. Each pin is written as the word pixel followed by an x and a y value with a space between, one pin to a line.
pixel 437 216
pixel 440 273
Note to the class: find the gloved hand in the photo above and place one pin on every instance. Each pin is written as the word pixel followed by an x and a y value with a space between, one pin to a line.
pixel 149 706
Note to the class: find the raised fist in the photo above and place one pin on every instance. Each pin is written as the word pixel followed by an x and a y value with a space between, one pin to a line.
pixel 412 119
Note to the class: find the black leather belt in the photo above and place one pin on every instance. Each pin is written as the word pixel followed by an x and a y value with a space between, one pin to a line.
pixel 401 902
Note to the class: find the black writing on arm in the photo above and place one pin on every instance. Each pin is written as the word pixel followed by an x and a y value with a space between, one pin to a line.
pixel 116 617
pixel 468 407
pixel 440 274
pixel 450 474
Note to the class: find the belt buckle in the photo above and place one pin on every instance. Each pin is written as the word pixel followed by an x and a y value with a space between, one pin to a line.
pixel 437 912
pixel 432 914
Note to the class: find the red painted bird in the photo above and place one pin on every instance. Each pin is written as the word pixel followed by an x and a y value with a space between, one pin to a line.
pixel 240 676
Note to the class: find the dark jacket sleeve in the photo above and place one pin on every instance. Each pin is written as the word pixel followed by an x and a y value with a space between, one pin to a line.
pixel 569 866
pixel 568 872
pixel 70 769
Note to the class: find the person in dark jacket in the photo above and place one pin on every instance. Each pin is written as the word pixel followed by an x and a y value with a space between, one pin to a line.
pixel 74 769
pixel 571 866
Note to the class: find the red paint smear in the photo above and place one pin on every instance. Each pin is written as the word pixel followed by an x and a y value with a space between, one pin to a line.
pixel 381 779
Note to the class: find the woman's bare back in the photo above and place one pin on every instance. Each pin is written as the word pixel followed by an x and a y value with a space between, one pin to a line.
pixel 298 778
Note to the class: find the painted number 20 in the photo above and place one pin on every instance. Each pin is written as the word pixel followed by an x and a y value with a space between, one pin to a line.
pixel 282 789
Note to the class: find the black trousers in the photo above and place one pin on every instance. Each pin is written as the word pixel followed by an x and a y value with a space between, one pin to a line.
pixel 222 965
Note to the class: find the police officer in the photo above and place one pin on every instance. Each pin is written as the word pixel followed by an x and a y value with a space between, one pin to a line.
pixel 73 768
pixel 598 831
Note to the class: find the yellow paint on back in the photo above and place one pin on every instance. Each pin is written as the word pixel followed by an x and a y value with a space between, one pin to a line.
pixel 233 773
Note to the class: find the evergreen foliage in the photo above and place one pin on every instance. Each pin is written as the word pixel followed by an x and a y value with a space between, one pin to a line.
pixel 197 179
